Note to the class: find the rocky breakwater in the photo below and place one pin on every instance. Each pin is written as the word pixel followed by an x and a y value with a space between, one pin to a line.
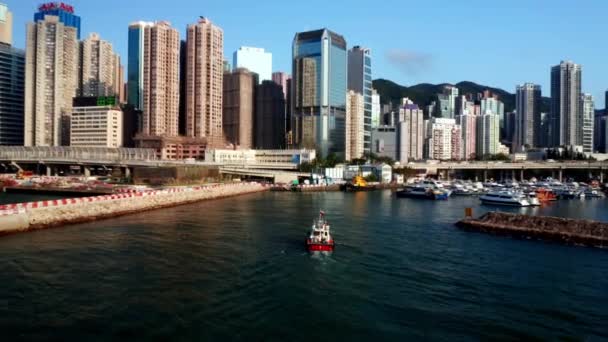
pixel 45 214
pixel 568 231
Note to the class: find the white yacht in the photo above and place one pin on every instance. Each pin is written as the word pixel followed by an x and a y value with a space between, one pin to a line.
pixel 514 199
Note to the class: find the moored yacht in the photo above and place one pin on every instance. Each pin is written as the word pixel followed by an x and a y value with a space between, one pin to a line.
pixel 508 198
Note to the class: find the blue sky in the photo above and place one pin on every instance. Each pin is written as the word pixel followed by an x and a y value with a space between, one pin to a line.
pixel 497 43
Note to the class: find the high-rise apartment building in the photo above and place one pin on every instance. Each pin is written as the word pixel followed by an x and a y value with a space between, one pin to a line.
pixel 319 91
pixel 154 80
pixel 254 59
pixel 360 81
pixel 566 122
pixel 446 102
pixel 527 120
pixel 488 134
pixel 376 110
pixel 269 126
pixel 443 139
pixel 204 89
pixel 238 117
pixel 100 69
pixel 6 25
pixel 51 80
pixel 12 75
pixel 587 113
pixel 355 115
pixel 64 12
pixel 468 128
pixel 413 130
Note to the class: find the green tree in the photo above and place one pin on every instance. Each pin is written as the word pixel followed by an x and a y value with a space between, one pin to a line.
pixel 371 177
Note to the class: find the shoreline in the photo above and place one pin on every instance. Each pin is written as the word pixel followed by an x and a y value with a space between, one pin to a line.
pixel 32 216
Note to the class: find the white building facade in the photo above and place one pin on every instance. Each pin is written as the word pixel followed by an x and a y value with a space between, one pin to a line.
pixel 96 127
pixel 444 139
pixel 587 112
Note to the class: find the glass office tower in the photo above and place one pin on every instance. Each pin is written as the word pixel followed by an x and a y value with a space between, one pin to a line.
pixel 319 91
pixel 135 63
pixel 360 81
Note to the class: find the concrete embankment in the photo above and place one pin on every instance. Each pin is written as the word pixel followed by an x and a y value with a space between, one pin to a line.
pixel 568 231
pixel 44 214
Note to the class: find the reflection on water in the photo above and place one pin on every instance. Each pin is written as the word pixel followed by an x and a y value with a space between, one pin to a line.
pixel 238 269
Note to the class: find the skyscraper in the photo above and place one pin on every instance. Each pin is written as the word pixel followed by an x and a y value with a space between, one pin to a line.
pixel 446 102
pixel 587 113
pixel 319 91
pixel 443 139
pixel 238 117
pixel 566 123
pixel 136 62
pixel 488 134
pixel 269 126
pixel 355 114
pixel 154 79
pixel 51 80
pixel 360 81
pixel 6 25
pixel 413 131
pixel 528 121
pixel 99 68
pixel 64 12
pixel 204 87
pixel 468 128
pixel 256 60
pixel 12 74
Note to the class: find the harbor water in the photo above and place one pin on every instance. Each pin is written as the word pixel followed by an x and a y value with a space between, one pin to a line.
pixel 237 269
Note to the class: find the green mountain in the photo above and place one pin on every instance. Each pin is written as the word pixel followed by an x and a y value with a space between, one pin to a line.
pixel 424 93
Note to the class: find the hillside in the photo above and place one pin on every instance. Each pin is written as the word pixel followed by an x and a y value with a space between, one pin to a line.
pixel 422 94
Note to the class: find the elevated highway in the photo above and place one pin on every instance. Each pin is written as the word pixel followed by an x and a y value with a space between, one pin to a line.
pixel 276 176
pixel 514 170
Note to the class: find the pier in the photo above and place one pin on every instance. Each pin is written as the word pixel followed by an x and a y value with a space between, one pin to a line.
pixel 545 228
pixel 23 217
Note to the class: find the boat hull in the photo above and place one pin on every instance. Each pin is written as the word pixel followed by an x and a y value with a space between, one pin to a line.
pixel 319 247
pixel 504 203
pixel 427 196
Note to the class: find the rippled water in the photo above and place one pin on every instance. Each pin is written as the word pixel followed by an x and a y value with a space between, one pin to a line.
pixel 236 269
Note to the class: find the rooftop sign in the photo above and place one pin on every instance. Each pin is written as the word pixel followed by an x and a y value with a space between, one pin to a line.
pixel 49 6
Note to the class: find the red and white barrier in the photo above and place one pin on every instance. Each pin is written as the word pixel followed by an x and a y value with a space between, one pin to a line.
pixel 17 208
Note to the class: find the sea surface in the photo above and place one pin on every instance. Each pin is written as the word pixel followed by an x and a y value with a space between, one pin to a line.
pixel 237 269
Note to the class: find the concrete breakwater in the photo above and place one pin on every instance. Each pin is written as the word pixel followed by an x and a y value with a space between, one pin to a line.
pixel 45 214
pixel 568 231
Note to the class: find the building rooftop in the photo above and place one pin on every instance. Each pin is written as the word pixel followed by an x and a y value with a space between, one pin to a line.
pixel 336 39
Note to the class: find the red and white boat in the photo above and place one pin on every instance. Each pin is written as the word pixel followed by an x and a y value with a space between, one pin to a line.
pixel 320 239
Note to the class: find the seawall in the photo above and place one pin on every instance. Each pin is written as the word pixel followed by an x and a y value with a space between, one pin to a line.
pixel 556 229
pixel 45 214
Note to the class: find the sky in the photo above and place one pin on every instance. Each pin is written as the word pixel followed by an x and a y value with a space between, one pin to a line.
pixel 495 43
